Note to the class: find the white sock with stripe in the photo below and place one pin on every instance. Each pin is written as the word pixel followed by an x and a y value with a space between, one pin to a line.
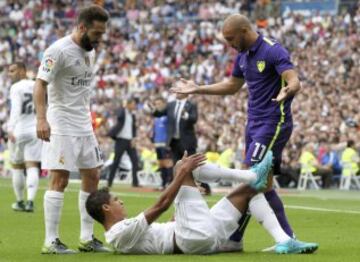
pixel 86 222
pixel 18 181
pixel 53 203
pixel 260 209
pixel 213 173
pixel 32 182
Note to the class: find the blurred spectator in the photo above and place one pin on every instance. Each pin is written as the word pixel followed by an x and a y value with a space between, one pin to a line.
pixel 350 160
pixel 309 163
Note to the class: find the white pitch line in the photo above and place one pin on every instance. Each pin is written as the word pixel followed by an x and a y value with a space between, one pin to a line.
pixel 323 209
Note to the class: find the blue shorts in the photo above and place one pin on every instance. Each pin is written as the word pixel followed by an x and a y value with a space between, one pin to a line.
pixel 263 135
pixel 163 153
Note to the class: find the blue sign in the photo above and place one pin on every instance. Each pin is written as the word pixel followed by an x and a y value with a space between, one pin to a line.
pixel 310 7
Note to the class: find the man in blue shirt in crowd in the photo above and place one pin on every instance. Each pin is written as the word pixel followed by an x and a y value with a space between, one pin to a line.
pixel 265 66
pixel 160 137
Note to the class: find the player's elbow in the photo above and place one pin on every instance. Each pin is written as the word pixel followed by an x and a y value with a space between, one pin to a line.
pixel 232 87
pixel 40 85
pixel 233 90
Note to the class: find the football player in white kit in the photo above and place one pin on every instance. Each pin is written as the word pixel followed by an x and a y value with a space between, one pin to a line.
pixel 65 74
pixel 24 146
pixel 196 229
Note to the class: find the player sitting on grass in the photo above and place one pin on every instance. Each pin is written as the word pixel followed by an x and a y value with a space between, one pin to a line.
pixel 196 229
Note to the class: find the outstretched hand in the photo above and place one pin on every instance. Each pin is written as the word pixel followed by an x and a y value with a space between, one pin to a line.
pixel 184 87
pixel 188 163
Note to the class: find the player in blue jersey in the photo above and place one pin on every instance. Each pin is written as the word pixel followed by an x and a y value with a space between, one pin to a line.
pixel 265 66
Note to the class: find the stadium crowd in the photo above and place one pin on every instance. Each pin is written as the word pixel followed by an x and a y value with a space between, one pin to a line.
pixel 152 43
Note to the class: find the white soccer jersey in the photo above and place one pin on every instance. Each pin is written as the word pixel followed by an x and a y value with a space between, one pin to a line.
pixel 22 121
pixel 69 70
pixel 136 236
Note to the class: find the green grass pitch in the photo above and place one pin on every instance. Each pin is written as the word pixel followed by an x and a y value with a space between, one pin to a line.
pixel 336 226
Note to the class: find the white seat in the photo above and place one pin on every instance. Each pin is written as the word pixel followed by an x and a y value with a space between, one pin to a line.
pixel 307 179
pixel 147 178
pixel 349 181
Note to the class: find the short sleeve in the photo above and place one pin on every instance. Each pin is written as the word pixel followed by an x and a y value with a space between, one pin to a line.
pixel 51 63
pixel 126 233
pixel 237 72
pixel 280 57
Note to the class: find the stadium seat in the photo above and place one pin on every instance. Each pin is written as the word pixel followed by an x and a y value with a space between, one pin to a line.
pixel 349 180
pixel 149 178
pixel 307 178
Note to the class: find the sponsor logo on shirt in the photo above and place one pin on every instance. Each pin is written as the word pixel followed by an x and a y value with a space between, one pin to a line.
pixel 85 81
pixel 48 64
pixel 260 65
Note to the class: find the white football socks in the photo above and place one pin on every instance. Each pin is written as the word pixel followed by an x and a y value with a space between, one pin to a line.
pixel 260 209
pixel 53 203
pixel 18 181
pixel 86 222
pixel 214 173
pixel 32 182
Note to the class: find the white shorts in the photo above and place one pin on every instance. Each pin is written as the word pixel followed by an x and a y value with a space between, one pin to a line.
pixel 71 153
pixel 198 229
pixel 25 151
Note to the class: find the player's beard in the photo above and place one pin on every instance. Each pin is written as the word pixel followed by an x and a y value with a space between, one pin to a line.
pixel 86 42
pixel 241 46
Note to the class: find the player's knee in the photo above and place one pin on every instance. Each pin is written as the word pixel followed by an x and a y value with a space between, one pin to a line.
pixel 59 183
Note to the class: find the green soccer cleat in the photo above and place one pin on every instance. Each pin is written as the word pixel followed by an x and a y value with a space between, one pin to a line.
pixel 57 247
pixel 18 206
pixel 29 207
pixel 294 246
pixel 262 171
pixel 93 245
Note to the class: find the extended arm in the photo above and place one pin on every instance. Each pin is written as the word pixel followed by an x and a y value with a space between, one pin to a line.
pixel 227 87
pixel 183 169
pixel 42 126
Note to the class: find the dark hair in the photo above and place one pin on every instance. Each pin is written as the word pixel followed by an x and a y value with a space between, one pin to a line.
pixel 92 13
pixel 20 65
pixel 350 143
pixel 132 99
pixel 95 202
pixel 159 97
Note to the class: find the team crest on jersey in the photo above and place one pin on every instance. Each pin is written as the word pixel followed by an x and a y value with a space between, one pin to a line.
pixel 87 61
pixel 62 160
pixel 260 65
pixel 48 64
